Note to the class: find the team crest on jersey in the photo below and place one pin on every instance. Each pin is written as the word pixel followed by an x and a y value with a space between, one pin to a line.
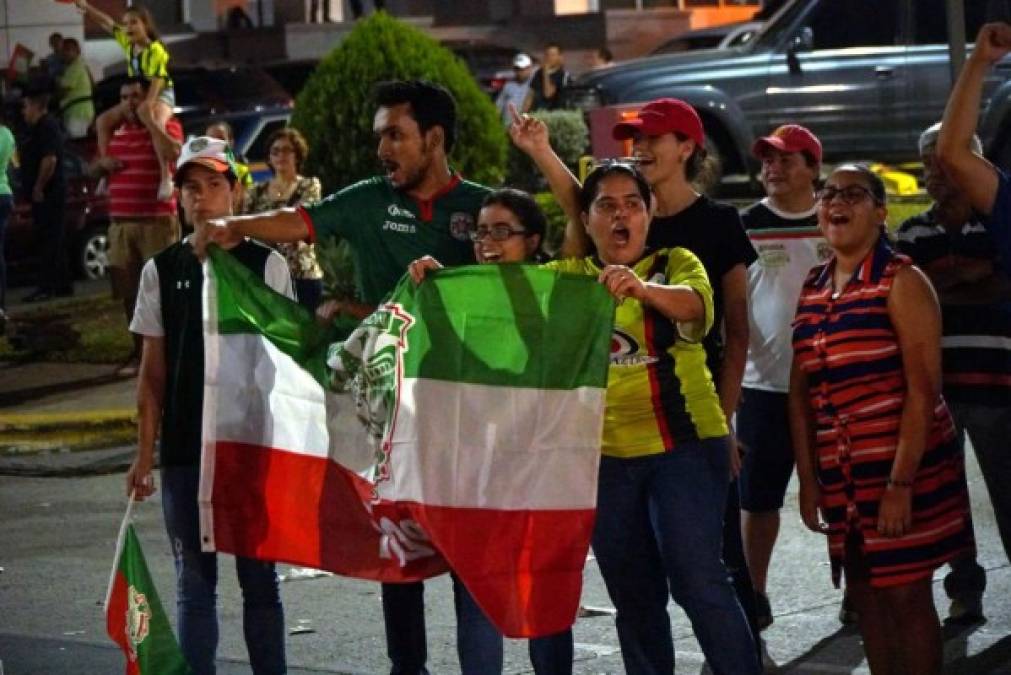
pixel 460 224
pixel 625 350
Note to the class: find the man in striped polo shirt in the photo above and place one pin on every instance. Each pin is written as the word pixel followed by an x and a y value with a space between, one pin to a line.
pixel 142 224
pixel 950 242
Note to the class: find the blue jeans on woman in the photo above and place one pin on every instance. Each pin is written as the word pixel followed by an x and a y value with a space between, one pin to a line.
pixel 658 533
pixel 197 580
pixel 479 644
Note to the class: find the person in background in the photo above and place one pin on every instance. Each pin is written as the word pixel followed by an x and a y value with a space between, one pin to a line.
pixel 951 244
pixel 75 88
pixel 783 228
pixel 515 91
pixel 223 130
pixel 880 471
pixel 601 58
pixel 287 187
pixel 549 81
pixel 42 181
pixel 170 406
pixel 7 148
pixel 52 64
pixel 142 224
pixel 147 57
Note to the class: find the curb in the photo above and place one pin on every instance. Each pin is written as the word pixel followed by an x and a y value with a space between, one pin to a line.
pixel 24 434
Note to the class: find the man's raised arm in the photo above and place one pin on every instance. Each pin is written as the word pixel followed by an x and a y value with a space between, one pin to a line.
pixel 973 174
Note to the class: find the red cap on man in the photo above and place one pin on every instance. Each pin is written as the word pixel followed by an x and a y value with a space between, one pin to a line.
pixel 789 138
pixel 663 116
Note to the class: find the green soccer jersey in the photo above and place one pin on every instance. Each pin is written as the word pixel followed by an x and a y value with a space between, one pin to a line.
pixel 387 229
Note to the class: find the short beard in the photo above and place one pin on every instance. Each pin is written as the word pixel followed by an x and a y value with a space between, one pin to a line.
pixel 413 179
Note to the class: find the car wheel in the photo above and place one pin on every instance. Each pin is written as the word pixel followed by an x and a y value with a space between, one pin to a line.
pixel 92 253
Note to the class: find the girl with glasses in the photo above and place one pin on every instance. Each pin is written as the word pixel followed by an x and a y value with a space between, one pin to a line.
pixel 880 471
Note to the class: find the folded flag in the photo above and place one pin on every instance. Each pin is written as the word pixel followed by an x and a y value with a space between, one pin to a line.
pixel 470 440
pixel 134 617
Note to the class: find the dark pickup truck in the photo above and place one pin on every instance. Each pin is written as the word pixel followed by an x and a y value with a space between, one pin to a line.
pixel 867 76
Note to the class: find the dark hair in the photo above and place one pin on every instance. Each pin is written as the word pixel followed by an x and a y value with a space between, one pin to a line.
pixel 605 53
pixel 431 105
pixel 591 186
pixel 874 182
pixel 71 42
pixel 55 36
pixel 298 143
pixel 145 17
pixel 136 79
pixel 523 205
pixel 552 44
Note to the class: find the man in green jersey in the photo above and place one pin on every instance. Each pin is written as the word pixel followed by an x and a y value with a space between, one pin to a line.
pixel 418 207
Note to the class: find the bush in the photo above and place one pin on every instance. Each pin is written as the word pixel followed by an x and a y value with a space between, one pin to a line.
pixel 335 108
pixel 570 138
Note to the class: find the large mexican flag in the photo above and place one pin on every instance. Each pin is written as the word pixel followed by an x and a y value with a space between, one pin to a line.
pixel 467 436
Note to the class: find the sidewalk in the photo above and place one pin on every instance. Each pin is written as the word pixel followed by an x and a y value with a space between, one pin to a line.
pixel 49 408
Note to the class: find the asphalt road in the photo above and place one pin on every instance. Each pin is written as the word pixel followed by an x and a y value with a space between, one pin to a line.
pixel 56 547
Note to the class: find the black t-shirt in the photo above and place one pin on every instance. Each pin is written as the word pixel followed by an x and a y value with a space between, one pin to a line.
pixel 713 232
pixel 42 140
pixel 560 78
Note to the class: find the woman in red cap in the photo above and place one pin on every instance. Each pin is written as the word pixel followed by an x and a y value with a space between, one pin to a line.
pixel 668 143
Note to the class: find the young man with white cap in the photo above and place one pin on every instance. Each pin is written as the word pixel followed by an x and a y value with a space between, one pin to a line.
pixel 950 242
pixel 783 228
pixel 170 404
pixel 515 91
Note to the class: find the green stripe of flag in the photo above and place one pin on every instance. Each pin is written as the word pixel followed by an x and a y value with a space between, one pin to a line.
pixel 515 325
pixel 247 305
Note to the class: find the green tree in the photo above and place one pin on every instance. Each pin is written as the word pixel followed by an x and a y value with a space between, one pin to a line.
pixel 335 108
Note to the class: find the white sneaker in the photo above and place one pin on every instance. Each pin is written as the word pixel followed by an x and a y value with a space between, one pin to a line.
pixel 166 189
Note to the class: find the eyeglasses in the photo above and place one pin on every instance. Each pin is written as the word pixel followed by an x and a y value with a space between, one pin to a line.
pixel 282 150
pixel 851 194
pixel 496 232
pixel 609 207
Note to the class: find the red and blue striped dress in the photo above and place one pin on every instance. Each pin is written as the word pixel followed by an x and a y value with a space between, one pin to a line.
pixel 847 347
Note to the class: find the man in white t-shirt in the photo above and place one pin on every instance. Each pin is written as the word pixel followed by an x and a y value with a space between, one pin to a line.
pixel 783 228
pixel 170 403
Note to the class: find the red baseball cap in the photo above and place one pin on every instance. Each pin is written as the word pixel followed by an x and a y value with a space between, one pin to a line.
pixel 789 138
pixel 663 116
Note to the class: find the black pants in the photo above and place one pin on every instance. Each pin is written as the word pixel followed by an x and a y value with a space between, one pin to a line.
pixel 737 564
pixel 47 218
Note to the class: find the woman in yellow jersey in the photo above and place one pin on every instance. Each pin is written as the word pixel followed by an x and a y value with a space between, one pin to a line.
pixel 146 57
pixel 510 228
pixel 663 474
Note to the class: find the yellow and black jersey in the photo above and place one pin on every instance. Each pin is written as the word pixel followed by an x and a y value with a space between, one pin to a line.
pixel 659 391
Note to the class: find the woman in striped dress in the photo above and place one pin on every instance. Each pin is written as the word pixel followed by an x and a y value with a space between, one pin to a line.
pixel 880 472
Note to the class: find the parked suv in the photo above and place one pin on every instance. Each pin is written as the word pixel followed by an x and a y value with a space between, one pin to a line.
pixel 867 76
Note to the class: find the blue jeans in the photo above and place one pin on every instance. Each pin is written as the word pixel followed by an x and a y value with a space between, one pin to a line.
pixel 658 532
pixel 197 580
pixel 479 644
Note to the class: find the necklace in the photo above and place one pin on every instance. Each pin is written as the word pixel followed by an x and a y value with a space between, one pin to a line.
pixel 281 189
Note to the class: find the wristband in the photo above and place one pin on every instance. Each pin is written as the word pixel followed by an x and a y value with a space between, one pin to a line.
pixel 892 482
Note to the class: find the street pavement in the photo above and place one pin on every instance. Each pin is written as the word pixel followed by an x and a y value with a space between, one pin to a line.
pixel 56 545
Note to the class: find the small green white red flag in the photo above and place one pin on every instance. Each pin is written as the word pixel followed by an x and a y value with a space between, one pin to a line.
pixel 134 617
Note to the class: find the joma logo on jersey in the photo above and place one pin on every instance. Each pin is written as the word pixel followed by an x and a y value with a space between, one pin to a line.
pixel 625 350
pixel 393 226
pixel 397 212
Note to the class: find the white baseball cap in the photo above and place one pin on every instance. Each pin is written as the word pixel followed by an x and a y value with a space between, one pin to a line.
pixel 208 152
pixel 521 60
